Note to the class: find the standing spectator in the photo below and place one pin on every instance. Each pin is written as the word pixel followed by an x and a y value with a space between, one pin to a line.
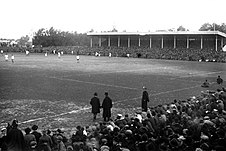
pixel 15 138
pixel 45 142
pixel 205 84
pixel 3 139
pixel 144 100
pixel 219 80
pixel 107 105
pixel 12 58
pixel 95 103
pixel 61 146
pixel 36 133
pixel 29 139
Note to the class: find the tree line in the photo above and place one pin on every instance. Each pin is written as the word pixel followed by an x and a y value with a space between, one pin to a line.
pixel 53 37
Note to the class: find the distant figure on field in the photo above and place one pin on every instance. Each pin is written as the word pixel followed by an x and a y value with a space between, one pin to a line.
pixel 107 105
pixel 219 80
pixel 205 84
pixel 54 51
pixel 109 55
pixel 59 55
pixel 96 54
pixel 127 55
pixel 72 52
pixel 27 52
pixel 144 100
pixel 77 58
pixel 46 54
pixel 95 103
pixel 6 57
pixel 62 52
pixel 12 58
pixel 2 52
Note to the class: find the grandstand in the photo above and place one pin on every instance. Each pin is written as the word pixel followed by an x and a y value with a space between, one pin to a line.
pixel 163 39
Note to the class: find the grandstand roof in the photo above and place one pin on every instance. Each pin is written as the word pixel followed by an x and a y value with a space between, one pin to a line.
pixel 157 33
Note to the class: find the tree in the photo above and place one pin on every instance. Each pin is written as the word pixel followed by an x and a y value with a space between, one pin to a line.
pixel 213 27
pixel 53 37
pixel 24 41
pixel 181 28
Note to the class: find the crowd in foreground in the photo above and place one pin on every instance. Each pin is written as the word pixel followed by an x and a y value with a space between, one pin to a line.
pixel 195 124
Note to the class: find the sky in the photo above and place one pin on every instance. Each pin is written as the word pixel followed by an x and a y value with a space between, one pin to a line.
pixel 24 17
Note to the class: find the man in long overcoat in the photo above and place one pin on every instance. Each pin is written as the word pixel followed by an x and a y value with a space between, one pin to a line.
pixel 144 100
pixel 107 105
pixel 95 103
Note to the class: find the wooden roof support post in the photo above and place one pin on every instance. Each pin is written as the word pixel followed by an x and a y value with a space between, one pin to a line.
pixel 118 41
pixel 174 42
pixel 201 42
pixel 150 42
pixel 91 42
pixel 216 43
pixel 109 41
pixel 99 41
pixel 187 42
pixel 128 42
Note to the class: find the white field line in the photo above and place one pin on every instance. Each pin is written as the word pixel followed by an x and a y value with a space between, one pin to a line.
pixel 88 108
pixel 94 83
pixel 198 74
pixel 57 115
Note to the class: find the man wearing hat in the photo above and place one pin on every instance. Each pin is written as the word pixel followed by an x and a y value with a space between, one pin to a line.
pixel 144 100
pixel 107 105
pixel 95 103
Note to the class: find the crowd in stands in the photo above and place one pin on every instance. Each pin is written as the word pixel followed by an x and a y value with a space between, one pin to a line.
pixel 191 54
pixel 195 124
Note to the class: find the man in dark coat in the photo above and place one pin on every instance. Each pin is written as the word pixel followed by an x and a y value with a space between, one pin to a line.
pixel 107 105
pixel 144 100
pixel 219 80
pixel 95 103
pixel 15 138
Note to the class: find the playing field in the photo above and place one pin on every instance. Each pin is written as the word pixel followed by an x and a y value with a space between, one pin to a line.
pixel 55 92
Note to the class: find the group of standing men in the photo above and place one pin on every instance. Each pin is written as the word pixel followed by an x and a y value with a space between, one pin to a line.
pixel 107 104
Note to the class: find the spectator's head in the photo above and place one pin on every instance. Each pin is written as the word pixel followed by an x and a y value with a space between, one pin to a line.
pixel 15 123
pixel 95 94
pixel 27 130
pixel 34 127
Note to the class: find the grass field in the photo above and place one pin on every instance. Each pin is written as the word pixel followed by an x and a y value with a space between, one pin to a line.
pixel 54 92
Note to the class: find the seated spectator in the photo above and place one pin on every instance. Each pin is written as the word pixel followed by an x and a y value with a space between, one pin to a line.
pixel 205 84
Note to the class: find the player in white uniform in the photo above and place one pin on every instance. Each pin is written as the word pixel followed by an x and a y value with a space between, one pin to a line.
pixel 12 58
pixel 77 57
pixel 109 55
pixel 59 55
pixel 6 57
pixel 2 52
pixel 46 54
